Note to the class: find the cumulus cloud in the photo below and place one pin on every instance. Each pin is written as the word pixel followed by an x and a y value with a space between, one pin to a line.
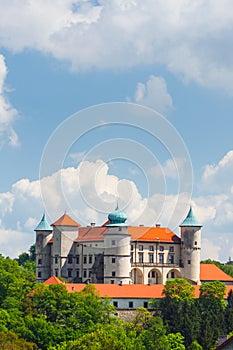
pixel 217 177
pixel 191 39
pixel 8 114
pixel 154 94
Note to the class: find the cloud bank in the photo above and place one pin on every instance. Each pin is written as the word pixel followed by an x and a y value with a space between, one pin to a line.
pixel 192 39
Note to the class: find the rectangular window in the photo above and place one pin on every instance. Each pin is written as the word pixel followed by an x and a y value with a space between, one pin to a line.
pixel 69 273
pixel 39 274
pixel 113 260
pixel 77 259
pixel 171 259
pixel 77 273
pixel 113 273
pixel 151 248
pixel 161 248
pixel 171 249
pixel 189 262
pixel 70 259
pixel 145 304
pixel 131 257
pixel 172 274
pixel 39 261
pixel 90 259
pixel 140 247
pixel 115 303
pixel 195 243
pixel 84 259
pixel 56 260
pixel 89 274
pixel 151 258
pixel 140 257
pixel 161 258
pixel 130 304
pixel 112 281
pixel 84 273
pixel 56 272
pixel 131 246
pixel 153 274
pixel 113 242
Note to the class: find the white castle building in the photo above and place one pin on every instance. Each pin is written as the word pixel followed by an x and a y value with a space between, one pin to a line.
pixel 116 253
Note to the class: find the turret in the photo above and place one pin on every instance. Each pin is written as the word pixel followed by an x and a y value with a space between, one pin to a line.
pixel 43 250
pixel 117 265
pixel 65 232
pixel 191 247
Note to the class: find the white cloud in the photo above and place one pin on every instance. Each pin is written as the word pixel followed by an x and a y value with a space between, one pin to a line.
pixel 7 113
pixel 191 39
pixel 218 178
pixel 154 94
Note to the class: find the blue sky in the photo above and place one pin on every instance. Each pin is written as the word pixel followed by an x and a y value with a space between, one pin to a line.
pixel 60 58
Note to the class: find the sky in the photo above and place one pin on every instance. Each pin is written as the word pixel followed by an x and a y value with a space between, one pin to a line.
pixel 116 101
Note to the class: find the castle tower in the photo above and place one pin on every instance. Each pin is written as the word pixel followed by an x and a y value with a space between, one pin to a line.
pixel 191 247
pixel 43 250
pixel 65 231
pixel 117 264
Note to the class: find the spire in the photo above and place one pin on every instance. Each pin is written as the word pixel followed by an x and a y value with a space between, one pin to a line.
pixel 43 225
pixel 191 220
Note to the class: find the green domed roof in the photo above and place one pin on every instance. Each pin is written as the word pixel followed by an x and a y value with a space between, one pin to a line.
pixel 117 218
pixel 43 225
pixel 191 220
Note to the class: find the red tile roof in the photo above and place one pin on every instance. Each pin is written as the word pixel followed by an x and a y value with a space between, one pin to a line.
pixel 138 233
pixel 210 272
pixel 65 220
pixel 134 291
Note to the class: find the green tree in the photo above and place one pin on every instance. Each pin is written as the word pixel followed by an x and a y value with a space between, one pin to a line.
pixel 10 341
pixel 215 289
pixel 179 289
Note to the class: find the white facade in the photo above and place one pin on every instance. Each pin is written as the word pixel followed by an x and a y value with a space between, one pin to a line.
pixel 115 256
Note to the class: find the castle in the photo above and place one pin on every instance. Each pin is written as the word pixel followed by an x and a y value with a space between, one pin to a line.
pixel 116 253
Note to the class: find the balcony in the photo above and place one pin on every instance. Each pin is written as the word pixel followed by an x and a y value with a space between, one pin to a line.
pixel 147 264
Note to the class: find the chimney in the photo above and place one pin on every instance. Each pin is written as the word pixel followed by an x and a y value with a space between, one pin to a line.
pixel 157 225
pixel 92 224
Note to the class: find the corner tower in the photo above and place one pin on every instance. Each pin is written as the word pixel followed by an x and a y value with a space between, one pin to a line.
pixel 191 247
pixel 117 265
pixel 43 250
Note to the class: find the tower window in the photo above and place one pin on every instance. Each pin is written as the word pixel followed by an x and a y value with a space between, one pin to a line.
pixel 56 260
pixel 39 274
pixel 56 272
pixel 39 261
pixel 195 242
pixel 113 260
pixel 189 262
pixel 113 273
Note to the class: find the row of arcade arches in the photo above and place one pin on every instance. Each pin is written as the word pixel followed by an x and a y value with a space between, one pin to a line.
pixel 154 276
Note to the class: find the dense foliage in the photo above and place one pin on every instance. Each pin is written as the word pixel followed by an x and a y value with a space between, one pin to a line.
pixel 50 318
